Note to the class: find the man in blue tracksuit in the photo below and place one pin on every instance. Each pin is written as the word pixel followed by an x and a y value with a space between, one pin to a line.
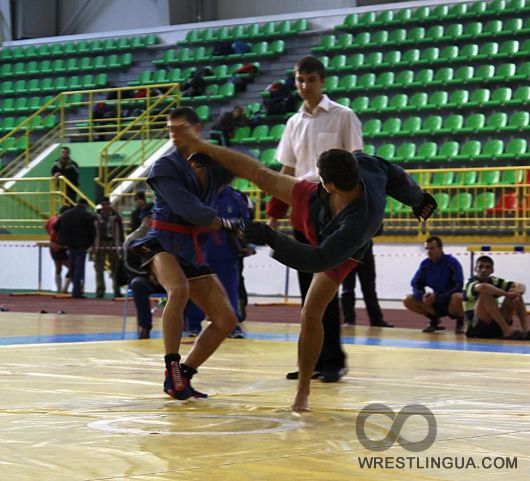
pixel 223 252
pixel 339 217
pixel 442 273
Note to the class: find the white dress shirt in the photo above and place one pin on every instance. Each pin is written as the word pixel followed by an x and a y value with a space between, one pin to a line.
pixel 306 136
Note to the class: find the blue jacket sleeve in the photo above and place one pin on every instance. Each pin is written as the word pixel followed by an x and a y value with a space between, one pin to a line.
pixel 457 277
pixel 418 284
pixel 182 202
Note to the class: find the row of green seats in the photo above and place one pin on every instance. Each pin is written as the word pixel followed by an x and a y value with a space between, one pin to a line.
pixel 204 54
pixel 441 99
pixel 48 84
pixel 214 92
pixel 38 123
pixel 77 48
pixel 500 178
pixel 251 31
pixel 434 34
pixel 260 133
pixel 453 124
pixel 452 151
pixel 409 79
pixel 23 104
pixel 438 13
pixel 460 203
pixel 219 72
pixel 13 144
pixel 415 57
pixel 58 66
pixel 267 157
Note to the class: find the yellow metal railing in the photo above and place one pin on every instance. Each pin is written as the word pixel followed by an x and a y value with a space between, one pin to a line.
pixel 28 202
pixel 141 116
pixel 494 205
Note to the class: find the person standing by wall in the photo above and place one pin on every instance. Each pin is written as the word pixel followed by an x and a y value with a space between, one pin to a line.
pixel 77 232
pixel 58 253
pixel 319 125
pixel 68 168
pixel 107 246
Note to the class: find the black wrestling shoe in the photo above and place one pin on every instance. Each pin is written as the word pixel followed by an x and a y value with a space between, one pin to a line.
pixel 333 375
pixel 294 375
pixel 459 327
pixel 381 323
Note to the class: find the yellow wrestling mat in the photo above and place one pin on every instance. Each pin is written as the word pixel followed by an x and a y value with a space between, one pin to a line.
pixel 96 411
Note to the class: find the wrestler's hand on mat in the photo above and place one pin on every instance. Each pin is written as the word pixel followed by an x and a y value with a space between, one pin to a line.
pixel 425 209
pixel 259 233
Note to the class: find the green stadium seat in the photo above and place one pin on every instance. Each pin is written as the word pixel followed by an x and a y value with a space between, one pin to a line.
pixel 418 101
pixel 386 151
pixel 160 77
pixel 492 150
pixel 523 72
pixel 410 57
pixel 368 19
pixel 489 177
pixel 443 76
pixel 276 132
pixel 7 87
pixel 483 202
pixel 405 152
pixel 442 179
pixel 346 83
pixel 6 70
pixel 434 33
pixel 520 97
pixel 507 71
pixel 8 105
pixel 496 122
pixel 469 151
pixel 466 178
pixel 398 102
pixel 442 199
pixel 438 99
pixel 21 103
pixel 58 66
pixel 374 59
pixel 426 152
pixel 369 149
pixel 384 18
pixel 300 25
pixel 20 86
pixel 415 35
pixel 516 6
pixel 460 203
pixel 8 124
pixel 355 60
pixel 397 37
pixel 268 158
pixel 477 9
pixel 240 133
pixel 33 68
pixel 515 150
pixel 331 83
pixel 430 55
pixel 500 97
pixel 344 101
pixel 452 124
pixel 515 26
pixel 123 43
pixel 47 85
pixel 474 123
pixel 488 51
pixel 259 134
pixel 379 38
pixel 468 52
pixel 412 126
pixel 519 121
pixel 113 61
pixel 377 103
pixel 472 30
pixel 338 62
pixel 372 128
pixel 509 48
pixel 86 63
pixel 479 98
pixel 453 32
pixel 391 58
pixel 384 80
pixel 448 151
pixel 440 12
pixel 450 53
pixel 512 177
pixel 366 81
pixel 110 45
pixel 144 78
pixel 326 43
pixel 361 104
pixel 391 127
pixel 421 14
pixel 484 73
pixel 21 144
pixel 432 124
pixel 422 78
pixel 83 46
pixel 463 75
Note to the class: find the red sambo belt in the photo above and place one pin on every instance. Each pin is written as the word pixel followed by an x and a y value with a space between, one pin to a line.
pixel 191 230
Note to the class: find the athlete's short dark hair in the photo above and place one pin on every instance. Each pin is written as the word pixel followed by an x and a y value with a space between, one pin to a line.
pixel 339 167
pixel 311 64
pixel 436 239
pixel 485 259
pixel 184 112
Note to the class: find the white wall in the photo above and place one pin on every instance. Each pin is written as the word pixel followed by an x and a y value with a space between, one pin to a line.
pixel 80 16
pixel 395 265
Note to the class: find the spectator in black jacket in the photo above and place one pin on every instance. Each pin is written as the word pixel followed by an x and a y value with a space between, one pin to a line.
pixel 68 168
pixel 77 232
pixel 136 214
pixel 227 124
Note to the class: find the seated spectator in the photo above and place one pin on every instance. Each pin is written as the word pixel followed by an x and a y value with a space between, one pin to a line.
pixel 442 273
pixel 221 48
pixel 485 318
pixel 141 282
pixel 224 128
pixel 194 86
pixel 282 97
pixel 69 169
pixel 240 46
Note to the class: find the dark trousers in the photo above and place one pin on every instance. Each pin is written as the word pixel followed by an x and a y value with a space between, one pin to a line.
pixel 366 273
pixel 142 288
pixel 77 270
pixel 332 356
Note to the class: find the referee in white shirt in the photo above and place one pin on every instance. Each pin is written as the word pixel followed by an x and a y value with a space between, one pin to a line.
pixel 319 125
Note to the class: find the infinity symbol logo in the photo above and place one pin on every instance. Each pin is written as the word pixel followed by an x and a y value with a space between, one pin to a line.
pixel 398 420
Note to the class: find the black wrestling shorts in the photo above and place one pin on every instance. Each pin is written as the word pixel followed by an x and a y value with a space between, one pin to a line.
pixel 148 250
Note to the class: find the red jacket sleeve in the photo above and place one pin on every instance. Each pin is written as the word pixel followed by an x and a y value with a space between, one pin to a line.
pixel 276 208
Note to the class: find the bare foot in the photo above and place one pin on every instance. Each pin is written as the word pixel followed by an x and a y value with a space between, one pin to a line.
pixel 301 404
